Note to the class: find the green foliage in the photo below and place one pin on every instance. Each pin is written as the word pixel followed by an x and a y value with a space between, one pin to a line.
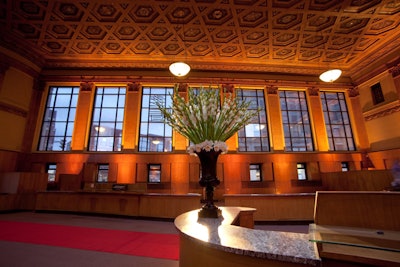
pixel 202 118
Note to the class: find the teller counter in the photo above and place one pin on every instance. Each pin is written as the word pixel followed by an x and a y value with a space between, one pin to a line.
pixel 166 206
pixel 230 241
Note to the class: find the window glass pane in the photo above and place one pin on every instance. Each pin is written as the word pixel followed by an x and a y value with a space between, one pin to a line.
pixel 110 101
pixel 60 128
pixel 250 136
pixel 107 119
pixel 154 173
pixel 296 121
pixel 255 172
pixel 301 171
pixel 337 121
pixel 155 135
pixel 60 109
pixel 51 170
pixel 62 101
pixel 345 166
pixel 108 114
pixel 102 173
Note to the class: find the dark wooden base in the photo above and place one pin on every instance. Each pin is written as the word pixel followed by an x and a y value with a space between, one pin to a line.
pixel 210 212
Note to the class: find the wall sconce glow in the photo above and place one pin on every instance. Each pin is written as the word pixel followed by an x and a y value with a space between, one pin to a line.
pixel 330 75
pixel 156 142
pixel 179 69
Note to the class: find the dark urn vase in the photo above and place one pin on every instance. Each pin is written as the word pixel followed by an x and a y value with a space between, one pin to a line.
pixel 209 180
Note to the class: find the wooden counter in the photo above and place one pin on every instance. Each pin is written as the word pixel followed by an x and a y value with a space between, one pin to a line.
pixel 118 203
pixel 223 242
pixel 276 207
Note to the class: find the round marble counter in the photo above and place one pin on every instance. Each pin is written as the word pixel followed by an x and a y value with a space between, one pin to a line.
pixel 220 234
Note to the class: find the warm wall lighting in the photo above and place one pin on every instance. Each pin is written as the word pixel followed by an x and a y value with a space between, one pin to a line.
pixel 179 69
pixel 330 75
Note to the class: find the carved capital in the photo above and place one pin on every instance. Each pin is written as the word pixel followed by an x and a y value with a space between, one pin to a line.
pixel 395 71
pixel 313 91
pixel 87 86
pixel 182 87
pixel 134 87
pixel 39 84
pixel 271 90
pixel 353 92
pixel 228 88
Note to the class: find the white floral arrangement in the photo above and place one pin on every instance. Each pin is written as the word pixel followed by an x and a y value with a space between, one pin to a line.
pixel 208 146
pixel 204 120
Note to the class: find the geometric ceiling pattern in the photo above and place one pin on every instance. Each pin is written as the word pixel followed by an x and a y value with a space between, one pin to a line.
pixel 277 36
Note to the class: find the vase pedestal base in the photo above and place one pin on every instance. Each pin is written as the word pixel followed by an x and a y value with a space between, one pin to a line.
pixel 210 212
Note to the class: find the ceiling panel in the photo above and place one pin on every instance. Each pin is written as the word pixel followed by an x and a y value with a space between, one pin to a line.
pixel 266 36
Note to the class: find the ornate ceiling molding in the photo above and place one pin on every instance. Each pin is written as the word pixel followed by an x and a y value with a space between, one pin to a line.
pixel 302 37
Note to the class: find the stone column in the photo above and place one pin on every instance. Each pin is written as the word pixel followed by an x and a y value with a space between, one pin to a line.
pixel 179 142
pixel 277 138
pixel 132 116
pixel 357 120
pixel 82 117
pixel 228 89
pixel 317 118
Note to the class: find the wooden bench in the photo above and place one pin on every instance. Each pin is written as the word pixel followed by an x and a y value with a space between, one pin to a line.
pixel 357 227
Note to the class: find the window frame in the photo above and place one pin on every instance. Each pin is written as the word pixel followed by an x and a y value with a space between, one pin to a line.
pixel 53 98
pixel 303 128
pixel 154 169
pixel 100 168
pixel 146 142
pixel 345 166
pixel 302 170
pixel 245 142
pixel 113 128
pixel 259 169
pixel 51 166
pixel 338 132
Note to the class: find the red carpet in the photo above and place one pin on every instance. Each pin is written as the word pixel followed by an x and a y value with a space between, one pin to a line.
pixel 164 246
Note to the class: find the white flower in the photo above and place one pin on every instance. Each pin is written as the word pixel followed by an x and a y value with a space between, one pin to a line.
pixel 202 118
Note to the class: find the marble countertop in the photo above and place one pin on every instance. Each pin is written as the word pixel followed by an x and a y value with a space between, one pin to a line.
pixel 220 234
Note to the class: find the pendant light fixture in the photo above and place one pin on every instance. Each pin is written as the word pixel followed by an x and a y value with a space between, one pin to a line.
pixel 330 75
pixel 179 69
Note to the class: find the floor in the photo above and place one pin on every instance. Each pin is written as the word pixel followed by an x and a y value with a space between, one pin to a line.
pixel 13 254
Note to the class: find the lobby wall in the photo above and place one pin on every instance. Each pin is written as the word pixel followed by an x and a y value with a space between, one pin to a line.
pixel 21 107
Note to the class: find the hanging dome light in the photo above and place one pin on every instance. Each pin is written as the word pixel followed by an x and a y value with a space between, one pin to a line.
pixel 330 75
pixel 179 69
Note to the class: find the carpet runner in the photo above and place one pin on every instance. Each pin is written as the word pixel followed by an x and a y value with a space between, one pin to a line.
pixel 154 245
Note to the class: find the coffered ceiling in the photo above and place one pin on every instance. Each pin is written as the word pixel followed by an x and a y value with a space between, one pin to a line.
pixel 290 37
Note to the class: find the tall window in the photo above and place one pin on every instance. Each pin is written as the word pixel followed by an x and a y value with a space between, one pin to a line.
pixel 58 120
pixel 107 119
pixel 155 134
pixel 296 121
pixel 337 121
pixel 102 173
pixel 254 136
